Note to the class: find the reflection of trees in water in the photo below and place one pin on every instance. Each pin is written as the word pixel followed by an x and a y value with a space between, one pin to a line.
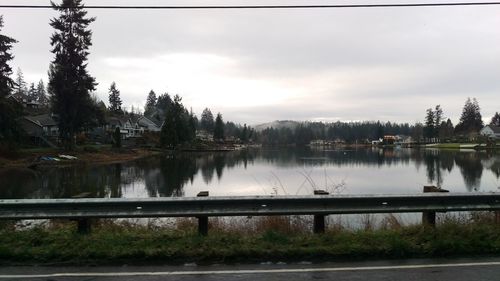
pixel 495 168
pixel 292 157
pixel 66 182
pixel 207 170
pixel 212 164
pixel 168 175
pixel 437 162
pixel 163 176
pixel 471 169
pixel 173 173
pixel 493 164
pixel 98 181
pixel 17 183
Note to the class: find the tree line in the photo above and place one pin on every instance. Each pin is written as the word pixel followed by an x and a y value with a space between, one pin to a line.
pixel 349 132
pixel 436 129
pixel 70 87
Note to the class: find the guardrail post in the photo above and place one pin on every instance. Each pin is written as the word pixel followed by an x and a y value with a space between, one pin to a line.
pixel 429 218
pixel 203 220
pixel 319 220
pixel 83 226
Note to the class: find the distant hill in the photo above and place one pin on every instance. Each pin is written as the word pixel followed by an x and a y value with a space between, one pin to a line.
pixel 278 124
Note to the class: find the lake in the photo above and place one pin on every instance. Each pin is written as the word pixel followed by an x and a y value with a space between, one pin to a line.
pixel 264 171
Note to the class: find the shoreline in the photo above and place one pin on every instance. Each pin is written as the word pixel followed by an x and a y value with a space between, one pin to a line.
pixel 31 158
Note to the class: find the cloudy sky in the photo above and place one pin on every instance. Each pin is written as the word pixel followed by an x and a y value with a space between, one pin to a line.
pixel 257 66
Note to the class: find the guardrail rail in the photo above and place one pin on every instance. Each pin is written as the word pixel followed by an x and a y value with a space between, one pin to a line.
pixel 203 207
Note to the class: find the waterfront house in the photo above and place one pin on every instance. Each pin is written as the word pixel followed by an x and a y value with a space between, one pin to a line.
pixel 40 125
pixel 146 125
pixel 491 131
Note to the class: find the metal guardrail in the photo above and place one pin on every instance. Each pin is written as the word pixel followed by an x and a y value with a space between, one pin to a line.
pixel 200 207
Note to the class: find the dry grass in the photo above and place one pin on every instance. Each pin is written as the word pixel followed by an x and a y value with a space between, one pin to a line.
pixel 244 239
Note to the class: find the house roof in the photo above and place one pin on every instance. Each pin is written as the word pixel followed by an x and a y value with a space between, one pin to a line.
pixel 144 121
pixel 42 120
pixel 495 129
pixel 117 121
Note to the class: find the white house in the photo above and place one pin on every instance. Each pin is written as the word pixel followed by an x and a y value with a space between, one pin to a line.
pixel 491 131
pixel 147 125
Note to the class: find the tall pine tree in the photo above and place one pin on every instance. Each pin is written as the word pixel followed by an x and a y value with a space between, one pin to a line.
pixel 32 96
pixel 429 128
pixel 219 128
pixel 115 102
pixel 6 83
pixel 41 94
pixel 471 120
pixel 495 120
pixel 150 103
pixel 9 111
pixel 70 83
pixel 20 85
pixel 207 121
pixel 177 128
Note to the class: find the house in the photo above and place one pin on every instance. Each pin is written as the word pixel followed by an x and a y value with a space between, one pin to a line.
pixel 123 123
pixel 147 125
pixel 130 127
pixel 389 139
pixel 491 131
pixel 25 101
pixel 40 125
pixel 204 135
pixel 318 143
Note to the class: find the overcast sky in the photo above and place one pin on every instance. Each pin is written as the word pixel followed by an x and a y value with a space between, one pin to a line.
pixel 257 66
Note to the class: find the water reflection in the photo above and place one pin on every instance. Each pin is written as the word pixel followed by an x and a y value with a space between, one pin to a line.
pixel 170 175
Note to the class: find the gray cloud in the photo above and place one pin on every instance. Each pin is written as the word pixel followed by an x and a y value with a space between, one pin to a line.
pixel 332 64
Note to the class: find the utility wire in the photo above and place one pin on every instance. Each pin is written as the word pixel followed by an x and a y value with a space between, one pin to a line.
pixel 248 7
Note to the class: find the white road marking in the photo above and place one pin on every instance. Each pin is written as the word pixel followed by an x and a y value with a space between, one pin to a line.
pixel 245 271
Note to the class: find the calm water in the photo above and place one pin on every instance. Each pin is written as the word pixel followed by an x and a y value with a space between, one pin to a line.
pixel 264 172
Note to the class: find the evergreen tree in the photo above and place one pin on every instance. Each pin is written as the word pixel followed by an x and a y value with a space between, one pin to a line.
pixel 6 83
pixel 9 111
pixel 429 128
pixel 20 88
pixel 495 120
pixel 70 83
pixel 115 102
pixel 446 129
pixel 117 137
pixel 193 124
pixel 438 117
pixel 207 121
pixel 219 128
pixel 176 129
pixel 244 134
pixel 168 135
pixel 150 103
pixel 32 96
pixel 99 111
pixel 417 132
pixel 164 102
pixel 41 94
pixel 471 119
pixel 380 131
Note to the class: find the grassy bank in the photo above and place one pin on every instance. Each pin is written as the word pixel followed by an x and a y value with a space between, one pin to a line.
pixel 115 244
pixel 103 154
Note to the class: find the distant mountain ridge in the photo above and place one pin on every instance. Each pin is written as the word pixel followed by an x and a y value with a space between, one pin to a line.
pixel 278 124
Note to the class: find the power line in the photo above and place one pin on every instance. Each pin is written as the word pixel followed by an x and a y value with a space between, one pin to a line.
pixel 248 7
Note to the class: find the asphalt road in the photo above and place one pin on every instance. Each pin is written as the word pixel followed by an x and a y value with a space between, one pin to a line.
pixel 408 270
